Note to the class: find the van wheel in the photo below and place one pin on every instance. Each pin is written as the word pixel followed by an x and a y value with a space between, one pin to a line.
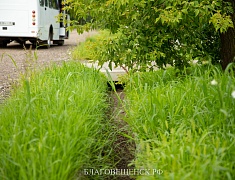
pixel 23 43
pixel 35 44
pixel 3 44
pixel 59 42
pixel 48 44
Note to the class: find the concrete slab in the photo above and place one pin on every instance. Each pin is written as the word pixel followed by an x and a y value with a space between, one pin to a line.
pixel 115 73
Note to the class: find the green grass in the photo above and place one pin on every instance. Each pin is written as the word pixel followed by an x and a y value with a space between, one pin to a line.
pixel 54 125
pixel 89 49
pixel 93 46
pixel 183 124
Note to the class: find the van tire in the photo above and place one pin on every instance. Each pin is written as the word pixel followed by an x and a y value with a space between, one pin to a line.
pixel 3 44
pixel 48 43
pixel 59 42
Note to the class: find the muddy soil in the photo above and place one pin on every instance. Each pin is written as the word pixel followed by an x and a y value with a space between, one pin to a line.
pixel 123 146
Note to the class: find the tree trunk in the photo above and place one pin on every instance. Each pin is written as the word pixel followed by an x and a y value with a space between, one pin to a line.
pixel 228 42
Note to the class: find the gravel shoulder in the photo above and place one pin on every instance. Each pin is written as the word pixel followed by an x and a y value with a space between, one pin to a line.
pixel 15 59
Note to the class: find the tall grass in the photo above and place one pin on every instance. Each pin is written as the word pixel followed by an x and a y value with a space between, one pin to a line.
pixel 184 124
pixel 93 46
pixel 54 125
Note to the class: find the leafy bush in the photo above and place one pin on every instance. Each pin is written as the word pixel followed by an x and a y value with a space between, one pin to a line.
pixel 162 31
pixel 184 124
pixel 54 125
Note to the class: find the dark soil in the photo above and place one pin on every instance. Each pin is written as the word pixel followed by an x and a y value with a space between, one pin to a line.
pixel 123 147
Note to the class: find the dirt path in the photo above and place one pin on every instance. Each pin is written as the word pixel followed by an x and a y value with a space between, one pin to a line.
pixel 123 146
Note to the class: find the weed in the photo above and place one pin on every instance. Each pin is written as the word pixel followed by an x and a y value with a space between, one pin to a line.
pixel 53 126
pixel 93 46
pixel 184 125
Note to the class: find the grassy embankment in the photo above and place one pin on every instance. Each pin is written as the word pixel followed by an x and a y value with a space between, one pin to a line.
pixel 183 125
pixel 54 125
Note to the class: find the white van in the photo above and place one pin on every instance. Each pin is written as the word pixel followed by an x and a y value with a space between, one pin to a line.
pixel 32 20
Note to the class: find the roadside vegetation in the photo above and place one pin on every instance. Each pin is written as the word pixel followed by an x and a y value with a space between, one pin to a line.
pixel 54 125
pixel 181 117
pixel 183 121
pixel 160 31
pixel 94 48
pixel 183 124
pixel 90 49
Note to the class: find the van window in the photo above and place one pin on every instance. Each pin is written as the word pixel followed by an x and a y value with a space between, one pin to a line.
pixel 54 4
pixel 46 3
pixel 41 2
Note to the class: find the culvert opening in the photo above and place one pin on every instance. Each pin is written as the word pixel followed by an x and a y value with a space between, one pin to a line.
pixel 119 86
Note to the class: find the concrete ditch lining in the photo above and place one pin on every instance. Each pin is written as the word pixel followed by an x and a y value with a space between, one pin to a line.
pixel 115 73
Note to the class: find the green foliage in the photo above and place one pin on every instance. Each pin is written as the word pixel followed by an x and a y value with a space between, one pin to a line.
pixel 164 32
pixel 221 22
pixel 93 46
pixel 54 125
pixel 183 124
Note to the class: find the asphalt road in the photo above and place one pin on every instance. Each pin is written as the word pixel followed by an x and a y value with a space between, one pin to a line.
pixel 15 59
